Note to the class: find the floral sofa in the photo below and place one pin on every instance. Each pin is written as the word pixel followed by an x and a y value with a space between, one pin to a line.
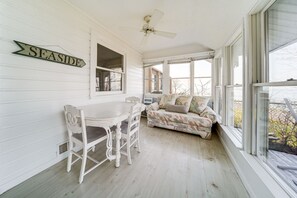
pixel 188 114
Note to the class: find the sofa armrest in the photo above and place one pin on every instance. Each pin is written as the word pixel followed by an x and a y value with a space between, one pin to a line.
pixel 152 107
pixel 209 113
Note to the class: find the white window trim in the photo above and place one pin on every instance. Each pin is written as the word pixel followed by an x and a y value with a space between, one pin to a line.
pixel 144 78
pixel 228 82
pixel 183 78
pixel 97 39
pixel 264 81
pixel 179 59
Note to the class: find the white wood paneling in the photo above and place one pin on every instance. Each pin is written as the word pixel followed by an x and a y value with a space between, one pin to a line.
pixel 33 92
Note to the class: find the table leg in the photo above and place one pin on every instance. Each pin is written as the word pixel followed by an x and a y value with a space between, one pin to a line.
pixel 118 146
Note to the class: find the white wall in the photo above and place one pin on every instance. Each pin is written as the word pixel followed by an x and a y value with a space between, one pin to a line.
pixel 33 92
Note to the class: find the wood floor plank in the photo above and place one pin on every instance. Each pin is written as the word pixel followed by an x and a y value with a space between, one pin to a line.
pixel 171 164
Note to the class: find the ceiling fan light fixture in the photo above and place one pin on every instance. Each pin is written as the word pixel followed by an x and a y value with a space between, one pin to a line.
pixel 147 18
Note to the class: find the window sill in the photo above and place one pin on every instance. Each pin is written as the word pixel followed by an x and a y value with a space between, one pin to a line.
pixel 230 132
pixel 107 93
pixel 240 158
pixel 273 182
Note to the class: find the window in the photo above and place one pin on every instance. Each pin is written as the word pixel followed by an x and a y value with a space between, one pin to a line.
pixel 179 78
pixel 234 105
pixel 153 76
pixel 276 96
pixel 202 77
pixel 109 70
pixel 184 76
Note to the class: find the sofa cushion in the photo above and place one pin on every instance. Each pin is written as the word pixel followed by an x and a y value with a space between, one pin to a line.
pixel 167 99
pixel 198 104
pixel 209 113
pixel 177 108
pixel 152 107
pixel 184 100
pixel 191 119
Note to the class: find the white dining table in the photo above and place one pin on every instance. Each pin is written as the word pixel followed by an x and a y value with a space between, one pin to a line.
pixel 107 115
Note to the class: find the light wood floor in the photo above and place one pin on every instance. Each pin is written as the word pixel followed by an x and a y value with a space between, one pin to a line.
pixel 171 164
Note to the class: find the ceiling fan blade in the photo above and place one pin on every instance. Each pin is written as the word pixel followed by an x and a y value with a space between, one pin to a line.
pixel 165 34
pixel 155 18
pixel 144 40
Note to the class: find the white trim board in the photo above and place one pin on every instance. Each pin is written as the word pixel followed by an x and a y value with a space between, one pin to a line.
pixel 184 56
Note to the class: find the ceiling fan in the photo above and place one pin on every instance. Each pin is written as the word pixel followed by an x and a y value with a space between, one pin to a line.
pixel 150 23
pixel 148 28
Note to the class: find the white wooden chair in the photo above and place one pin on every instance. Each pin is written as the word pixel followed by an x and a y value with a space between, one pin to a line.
pixel 82 136
pixel 130 131
pixel 132 99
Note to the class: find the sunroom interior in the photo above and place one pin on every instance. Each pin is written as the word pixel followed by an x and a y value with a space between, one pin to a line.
pixel 241 54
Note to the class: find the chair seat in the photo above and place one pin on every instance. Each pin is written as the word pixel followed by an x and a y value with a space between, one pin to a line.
pixel 93 133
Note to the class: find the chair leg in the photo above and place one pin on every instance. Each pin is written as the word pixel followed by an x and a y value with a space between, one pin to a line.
pixel 128 151
pixel 83 165
pixel 69 162
pixel 138 143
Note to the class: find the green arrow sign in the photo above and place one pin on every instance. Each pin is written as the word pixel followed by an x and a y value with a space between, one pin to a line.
pixel 48 55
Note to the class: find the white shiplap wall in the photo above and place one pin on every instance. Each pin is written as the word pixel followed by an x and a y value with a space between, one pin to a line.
pixel 33 92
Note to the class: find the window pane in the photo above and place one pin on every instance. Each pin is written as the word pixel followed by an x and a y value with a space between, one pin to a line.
pixel 282 62
pixel 202 86
pixel 282 36
pixel 180 86
pixel 109 59
pixel 153 79
pixel 108 81
pixel 236 61
pixel 277 129
pixel 180 70
pixel 202 68
pixel 234 107
pixel 237 107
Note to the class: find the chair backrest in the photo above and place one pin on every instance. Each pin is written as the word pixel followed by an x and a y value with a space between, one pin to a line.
pixel 75 122
pixel 134 118
pixel 132 99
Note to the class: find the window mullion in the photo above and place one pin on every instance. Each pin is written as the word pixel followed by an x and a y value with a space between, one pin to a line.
pixel 192 78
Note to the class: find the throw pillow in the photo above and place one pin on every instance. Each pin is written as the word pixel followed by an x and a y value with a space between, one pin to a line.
pixel 177 108
pixel 184 100
pixel 167 99
pixel 198 104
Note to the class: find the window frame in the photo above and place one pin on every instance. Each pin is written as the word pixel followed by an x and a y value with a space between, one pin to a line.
pixel 96 39
pixel 262 80
pixel 181 78
pixel 180 59
pixel 228 84
pixel 160 83
pixel 212 77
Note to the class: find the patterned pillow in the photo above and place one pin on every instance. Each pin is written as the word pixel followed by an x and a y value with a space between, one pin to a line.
pixel 198 104
pixel 184 100
pixel 167 99
pixel 177 108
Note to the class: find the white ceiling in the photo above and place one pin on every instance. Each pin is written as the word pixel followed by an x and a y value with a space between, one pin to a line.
pixel 200 24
